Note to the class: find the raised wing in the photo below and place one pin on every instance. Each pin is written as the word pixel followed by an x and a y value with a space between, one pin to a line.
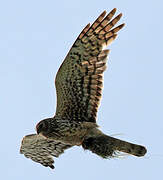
pixel 41 149
pixel 79 80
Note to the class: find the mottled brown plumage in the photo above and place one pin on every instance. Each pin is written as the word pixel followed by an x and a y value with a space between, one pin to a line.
pixel 79 83
pixel 79 80
pixel 41 149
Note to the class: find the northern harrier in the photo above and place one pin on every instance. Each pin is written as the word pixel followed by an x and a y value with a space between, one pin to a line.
pixel 79 84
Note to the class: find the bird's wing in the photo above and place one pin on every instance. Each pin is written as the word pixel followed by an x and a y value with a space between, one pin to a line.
pixel 41 149
pixel 79 79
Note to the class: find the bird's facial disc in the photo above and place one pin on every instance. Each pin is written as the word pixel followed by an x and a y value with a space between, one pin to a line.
pixel 42 127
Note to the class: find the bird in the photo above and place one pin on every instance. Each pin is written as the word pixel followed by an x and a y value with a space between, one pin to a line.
pixel 79 83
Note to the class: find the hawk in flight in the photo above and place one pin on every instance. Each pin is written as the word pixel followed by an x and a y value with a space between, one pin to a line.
pixel 79 84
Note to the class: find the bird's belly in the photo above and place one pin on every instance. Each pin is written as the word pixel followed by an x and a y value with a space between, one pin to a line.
pixel 73 140
pixel 73 133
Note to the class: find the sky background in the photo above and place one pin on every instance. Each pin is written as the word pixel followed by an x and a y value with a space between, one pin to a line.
pixel 35 36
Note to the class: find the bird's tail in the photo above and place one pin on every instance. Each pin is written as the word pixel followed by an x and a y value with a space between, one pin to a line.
pixel 106 146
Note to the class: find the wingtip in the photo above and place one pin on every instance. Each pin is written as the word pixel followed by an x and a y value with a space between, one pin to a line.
pixel 114 10
pixel 114 36
pixel 103 13
pixel 121 26
pixel 119 15
pixel 51 166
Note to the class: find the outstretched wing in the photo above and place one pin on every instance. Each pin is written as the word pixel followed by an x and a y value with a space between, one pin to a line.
pixel 41 149
pixel 79 80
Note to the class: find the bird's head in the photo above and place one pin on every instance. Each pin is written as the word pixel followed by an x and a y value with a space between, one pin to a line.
pixel 43 127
